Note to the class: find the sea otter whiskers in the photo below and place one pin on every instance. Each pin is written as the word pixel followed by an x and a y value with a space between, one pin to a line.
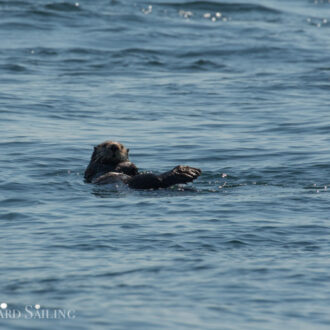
pixel 109 163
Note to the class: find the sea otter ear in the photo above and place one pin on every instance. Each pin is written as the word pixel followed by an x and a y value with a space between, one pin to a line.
pixel 94 153
pixel 95 148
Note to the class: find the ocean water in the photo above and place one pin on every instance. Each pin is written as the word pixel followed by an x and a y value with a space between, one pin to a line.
pixel 237 88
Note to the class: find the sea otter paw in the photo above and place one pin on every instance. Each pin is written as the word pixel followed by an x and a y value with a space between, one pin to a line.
pixel 111 177
pixel 184 174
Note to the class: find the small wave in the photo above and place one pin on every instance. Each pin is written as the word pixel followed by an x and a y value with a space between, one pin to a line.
pixel 14 144
pixel 153 269
pixel 216 6
pixel 230 52
pixel 75 60
pixel 12 3
pixel 55 10
pixel 236 243
pixel 135 51
pixel 305 245
pixel 21 26
pixel 14 216
pixel 202 64
pixel 155 63
pixel 86 51
pixel 64 6
pixel 13 67
pixel 109 29
pixel 46 51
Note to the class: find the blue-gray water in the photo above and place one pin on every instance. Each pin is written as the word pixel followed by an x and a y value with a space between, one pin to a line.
pixel 237 88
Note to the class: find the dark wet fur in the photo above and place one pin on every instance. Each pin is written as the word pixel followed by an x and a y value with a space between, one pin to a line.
pixel 103 169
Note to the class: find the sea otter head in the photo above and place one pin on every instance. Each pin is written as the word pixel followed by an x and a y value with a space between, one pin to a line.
pixel 110 152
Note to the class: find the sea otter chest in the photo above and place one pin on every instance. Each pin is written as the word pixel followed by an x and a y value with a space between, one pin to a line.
pixel 127 168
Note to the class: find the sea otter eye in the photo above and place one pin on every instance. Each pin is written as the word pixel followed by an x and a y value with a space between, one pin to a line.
pixel 114 148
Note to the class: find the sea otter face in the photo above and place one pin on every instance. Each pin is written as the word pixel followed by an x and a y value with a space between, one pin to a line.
pixel 110 152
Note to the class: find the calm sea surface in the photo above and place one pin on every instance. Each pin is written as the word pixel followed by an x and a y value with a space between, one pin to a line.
pixel 240 89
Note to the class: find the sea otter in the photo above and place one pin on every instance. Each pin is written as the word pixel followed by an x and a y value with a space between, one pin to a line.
pixel 109 163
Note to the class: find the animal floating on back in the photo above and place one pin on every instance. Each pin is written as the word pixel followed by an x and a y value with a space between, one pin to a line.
pixel 109 164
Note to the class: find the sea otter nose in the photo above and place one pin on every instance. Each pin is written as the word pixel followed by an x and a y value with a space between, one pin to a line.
pixel 114 148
